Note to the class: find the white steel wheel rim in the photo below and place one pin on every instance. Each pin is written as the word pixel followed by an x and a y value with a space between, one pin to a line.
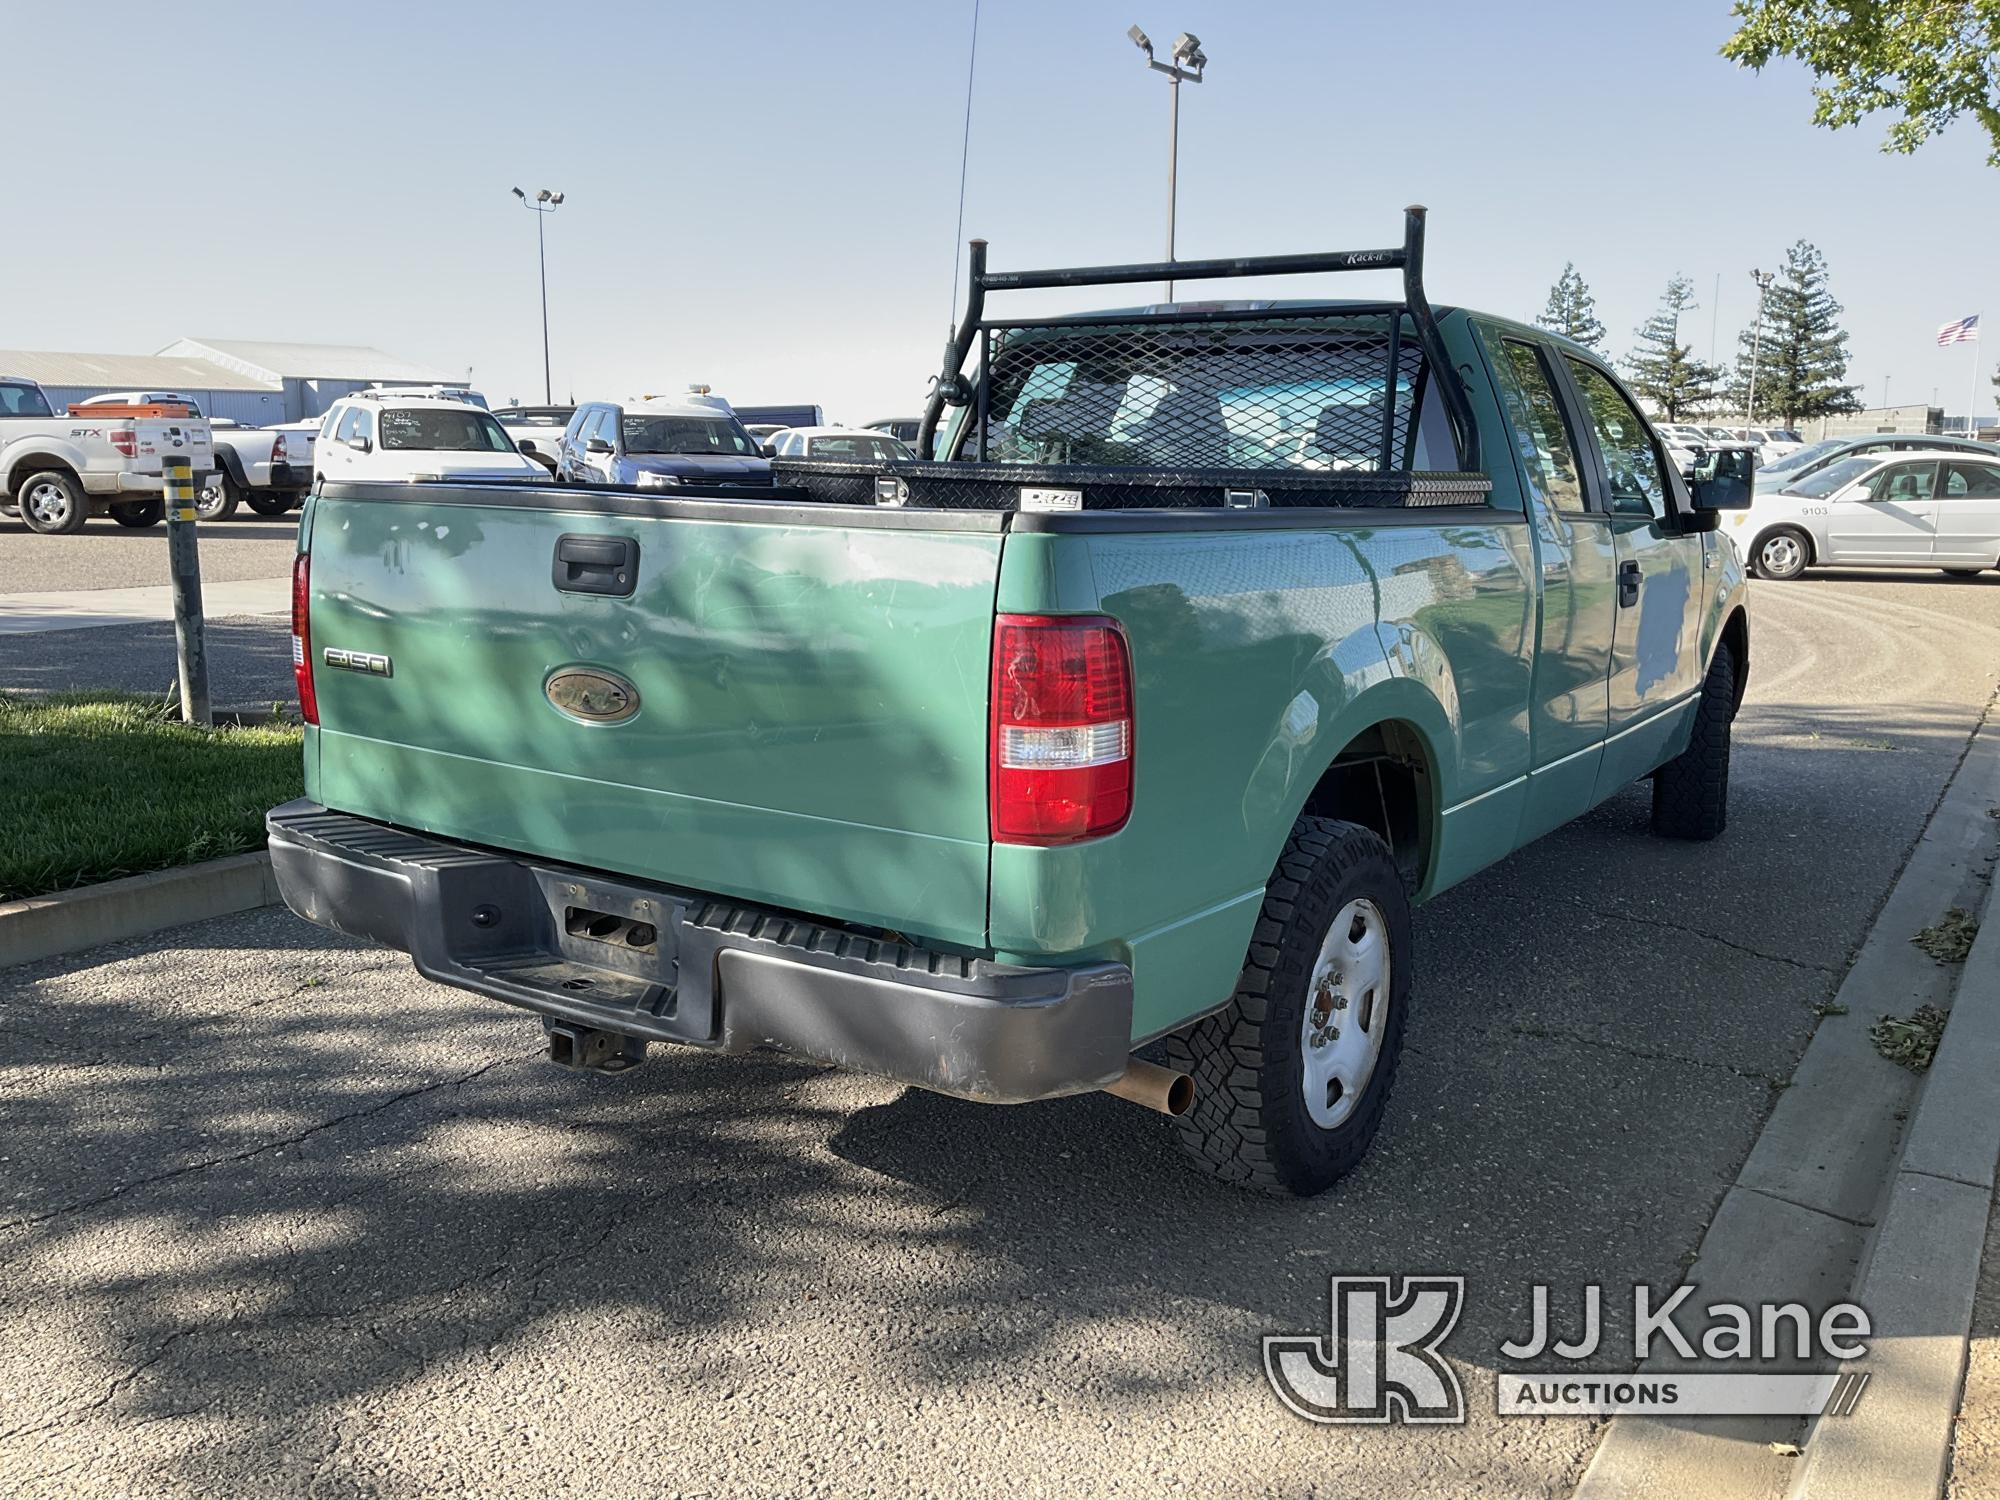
pixel 1782 554
pixel 1346 1013
pixel 48 502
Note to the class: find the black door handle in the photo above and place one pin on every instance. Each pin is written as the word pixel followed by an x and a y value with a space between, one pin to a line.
pixel 596 565
pixel 1628 584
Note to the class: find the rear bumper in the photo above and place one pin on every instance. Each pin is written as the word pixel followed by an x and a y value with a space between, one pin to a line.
pixel 704 971
pixel 97 482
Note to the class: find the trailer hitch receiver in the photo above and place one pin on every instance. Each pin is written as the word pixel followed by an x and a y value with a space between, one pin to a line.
pixel 585 1047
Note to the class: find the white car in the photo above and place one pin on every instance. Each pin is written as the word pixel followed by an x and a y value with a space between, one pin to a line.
pixel 839 442
pixel 382 435
pixel 1775 443
pixel 1937 509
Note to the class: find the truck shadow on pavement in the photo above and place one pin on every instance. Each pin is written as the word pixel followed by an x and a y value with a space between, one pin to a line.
pixel 275 1205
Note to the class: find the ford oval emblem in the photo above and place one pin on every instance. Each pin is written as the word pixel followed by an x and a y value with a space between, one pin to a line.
pixel 592 695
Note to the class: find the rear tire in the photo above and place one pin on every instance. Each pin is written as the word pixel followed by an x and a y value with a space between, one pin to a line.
pixel 270 503
pixel 1691 791
pixel 1781 554
pixel 52 503
pixel 139 513
pixel 1963 572
pixel 218 499
pixel 1291 1079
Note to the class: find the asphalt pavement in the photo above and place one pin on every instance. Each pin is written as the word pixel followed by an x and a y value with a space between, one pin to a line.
pixel 279 1217
pixel 105 555
pixel 249 654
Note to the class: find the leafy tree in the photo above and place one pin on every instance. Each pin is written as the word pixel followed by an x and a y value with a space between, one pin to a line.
pixel 1663 369
pixel 1802 357
pixel 1932 61
pixel 1572 311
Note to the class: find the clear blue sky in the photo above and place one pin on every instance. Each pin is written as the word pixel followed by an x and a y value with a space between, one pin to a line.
pixel 762 195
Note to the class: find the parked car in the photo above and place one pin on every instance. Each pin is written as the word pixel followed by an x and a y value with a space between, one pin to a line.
pixel 58 471
pixel 267 468
pixel 1774 443
pixel 1683 443
pixel 902 429
pixel 659 444
pixel 763 432
pixel 386 435
pixel 1054 759
pixel 536 430
pixel 838 442
pixel 1816 456
pixel 1935 508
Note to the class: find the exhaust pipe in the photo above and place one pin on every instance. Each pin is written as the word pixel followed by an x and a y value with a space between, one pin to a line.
pixel 1154 1087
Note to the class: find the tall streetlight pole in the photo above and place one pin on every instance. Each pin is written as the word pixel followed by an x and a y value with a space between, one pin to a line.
pixel 1186 67
pixel 1763 280
pixel 543 203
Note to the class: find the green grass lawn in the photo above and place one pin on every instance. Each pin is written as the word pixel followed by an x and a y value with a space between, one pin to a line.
pixel 98 785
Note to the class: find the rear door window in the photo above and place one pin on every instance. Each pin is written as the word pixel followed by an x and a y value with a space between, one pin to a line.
pixel 1970 481
pixel 1541 432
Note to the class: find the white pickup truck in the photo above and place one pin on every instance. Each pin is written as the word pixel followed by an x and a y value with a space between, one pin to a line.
pixel 269 469
pixel 58 471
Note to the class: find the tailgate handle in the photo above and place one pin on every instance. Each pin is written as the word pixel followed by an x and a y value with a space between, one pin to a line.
pixel 597 565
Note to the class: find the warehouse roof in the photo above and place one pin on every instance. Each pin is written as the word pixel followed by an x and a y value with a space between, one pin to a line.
pixel 280 361
pixel 138 371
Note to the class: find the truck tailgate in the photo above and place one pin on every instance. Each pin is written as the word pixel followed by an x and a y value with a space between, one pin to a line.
pixel 810 684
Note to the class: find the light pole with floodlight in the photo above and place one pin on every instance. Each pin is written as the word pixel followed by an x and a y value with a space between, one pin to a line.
pixel 543 203
pixel 1189 60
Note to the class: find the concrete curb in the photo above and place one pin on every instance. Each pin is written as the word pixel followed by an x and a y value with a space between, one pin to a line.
pixel 1798 1221
pixel 1923 1267
pixel 43 926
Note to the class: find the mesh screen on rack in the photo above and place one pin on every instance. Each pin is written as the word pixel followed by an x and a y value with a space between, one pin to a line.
pixel 1318 393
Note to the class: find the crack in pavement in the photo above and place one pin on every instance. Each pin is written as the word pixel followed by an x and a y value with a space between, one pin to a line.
pixel 277 1145
pixel 1552 1034
pixel 1712 937
pixel 118 1383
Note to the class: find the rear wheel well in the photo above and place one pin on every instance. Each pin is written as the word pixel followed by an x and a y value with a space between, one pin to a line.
pixel 38 463
pixel 1384 781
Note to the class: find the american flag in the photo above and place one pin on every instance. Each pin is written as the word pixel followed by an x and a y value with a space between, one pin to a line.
pixel 1964 331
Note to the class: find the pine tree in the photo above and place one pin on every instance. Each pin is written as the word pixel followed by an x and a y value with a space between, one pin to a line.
pixel 1802 357
pixel 1663 369
pixel 1572 311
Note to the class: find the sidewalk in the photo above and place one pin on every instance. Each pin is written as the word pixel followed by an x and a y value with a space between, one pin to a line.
pixel 72 609
pixel 1975 1454
pixel 1868 1184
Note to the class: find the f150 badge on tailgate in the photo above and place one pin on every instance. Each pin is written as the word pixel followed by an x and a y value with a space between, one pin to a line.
pixel 592 695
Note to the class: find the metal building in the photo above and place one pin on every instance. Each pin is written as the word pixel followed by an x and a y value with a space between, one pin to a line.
pixel 311 377
pixel 248 381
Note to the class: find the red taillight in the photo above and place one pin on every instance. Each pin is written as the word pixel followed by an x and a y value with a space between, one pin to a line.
pixel 126 441
pixel 302 671
pixel 279 453
pixel 1061 739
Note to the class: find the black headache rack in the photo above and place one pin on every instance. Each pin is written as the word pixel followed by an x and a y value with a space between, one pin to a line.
pixel 1240 405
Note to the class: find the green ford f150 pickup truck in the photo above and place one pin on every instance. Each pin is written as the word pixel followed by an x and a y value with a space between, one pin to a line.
pixel 1214 636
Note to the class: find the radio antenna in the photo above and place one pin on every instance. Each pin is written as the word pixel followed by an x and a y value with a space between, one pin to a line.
pixel 964 155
